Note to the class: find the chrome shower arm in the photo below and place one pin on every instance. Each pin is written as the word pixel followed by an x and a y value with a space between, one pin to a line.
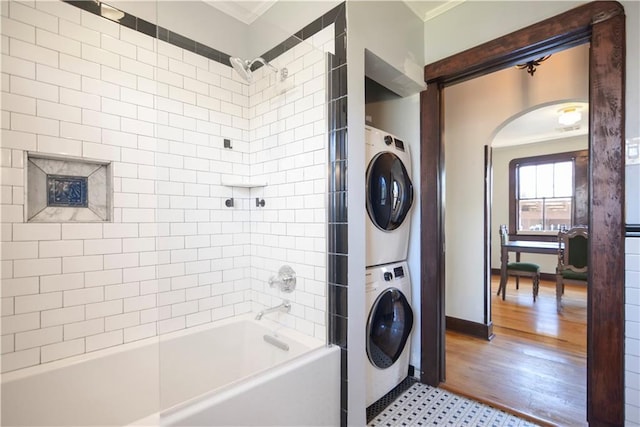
pixel 263 62
pixel 243 68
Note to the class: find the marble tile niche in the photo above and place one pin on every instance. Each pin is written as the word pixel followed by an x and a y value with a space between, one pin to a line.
pixel 67 190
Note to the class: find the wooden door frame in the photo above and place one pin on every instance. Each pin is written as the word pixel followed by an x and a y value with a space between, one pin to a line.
pixel 602 24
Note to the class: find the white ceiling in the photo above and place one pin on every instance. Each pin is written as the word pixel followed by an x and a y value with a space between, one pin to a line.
pixel 428 9
pixel 245 11
pixel 541 124
pixel 248 11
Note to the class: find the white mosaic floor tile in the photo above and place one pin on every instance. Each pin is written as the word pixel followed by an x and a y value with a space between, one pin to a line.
pixel 423 405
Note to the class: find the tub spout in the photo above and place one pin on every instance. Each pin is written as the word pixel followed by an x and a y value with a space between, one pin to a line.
pixel 285 306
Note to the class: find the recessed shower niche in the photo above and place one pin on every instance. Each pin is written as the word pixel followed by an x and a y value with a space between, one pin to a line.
pixel 67 190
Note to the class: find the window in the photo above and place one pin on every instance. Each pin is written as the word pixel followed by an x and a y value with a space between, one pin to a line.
pixel 548 192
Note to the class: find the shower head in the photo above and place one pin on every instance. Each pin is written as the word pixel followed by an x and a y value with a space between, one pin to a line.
pixel 243 68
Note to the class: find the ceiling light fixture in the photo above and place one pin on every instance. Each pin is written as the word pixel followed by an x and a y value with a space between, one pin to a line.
pixel 569 116
pixel 531 65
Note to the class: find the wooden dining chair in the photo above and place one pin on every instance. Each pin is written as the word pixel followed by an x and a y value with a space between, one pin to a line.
pixel 573 250
pixel 518 269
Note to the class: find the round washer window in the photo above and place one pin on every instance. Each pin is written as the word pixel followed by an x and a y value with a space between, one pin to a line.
pixel 389 191
pixel 388 328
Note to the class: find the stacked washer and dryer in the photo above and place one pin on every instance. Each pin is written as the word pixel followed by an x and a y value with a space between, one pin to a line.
pixel 388 287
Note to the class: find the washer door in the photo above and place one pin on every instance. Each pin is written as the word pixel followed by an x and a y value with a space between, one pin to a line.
pixel 389 191
pixel 388 328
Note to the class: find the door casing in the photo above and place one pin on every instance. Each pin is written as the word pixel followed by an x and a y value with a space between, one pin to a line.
pixel 602 24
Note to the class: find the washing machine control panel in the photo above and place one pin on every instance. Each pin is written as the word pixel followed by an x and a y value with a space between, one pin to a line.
pixel 398 273
pixel 399 144
pixel 384 277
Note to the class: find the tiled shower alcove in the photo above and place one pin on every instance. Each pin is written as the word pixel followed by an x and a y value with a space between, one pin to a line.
pixel 67 190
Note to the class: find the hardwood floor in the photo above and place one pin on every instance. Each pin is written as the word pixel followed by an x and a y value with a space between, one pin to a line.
pixel 536 364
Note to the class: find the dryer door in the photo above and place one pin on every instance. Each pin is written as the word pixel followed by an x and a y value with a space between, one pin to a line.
pixel 389 191
pixel 388 328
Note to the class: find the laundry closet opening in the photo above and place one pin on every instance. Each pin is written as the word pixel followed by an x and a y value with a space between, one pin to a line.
pixel 392 203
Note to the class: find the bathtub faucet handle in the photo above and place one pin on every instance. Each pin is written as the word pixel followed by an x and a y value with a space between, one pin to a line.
pixel 286 279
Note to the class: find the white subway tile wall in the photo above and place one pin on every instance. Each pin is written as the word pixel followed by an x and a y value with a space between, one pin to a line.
pixel 632 332
pixel 289 151
pixel 174 256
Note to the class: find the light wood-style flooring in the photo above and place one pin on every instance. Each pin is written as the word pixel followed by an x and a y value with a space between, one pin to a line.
pixel 536 364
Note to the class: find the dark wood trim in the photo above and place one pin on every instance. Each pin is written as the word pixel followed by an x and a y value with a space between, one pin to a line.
pixel 580 159
pixel 605 300
pixel 432 321
pixel 512 227
pixel 474 329
pixel 571 28
pixel 581 190
pixel 601 23
pixel 548 158
pixel 488 186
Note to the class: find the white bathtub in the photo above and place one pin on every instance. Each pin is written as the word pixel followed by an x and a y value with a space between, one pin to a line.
pixel 221 374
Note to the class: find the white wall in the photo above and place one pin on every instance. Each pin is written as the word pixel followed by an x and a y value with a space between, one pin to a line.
pixel 475 22
pixel 174 256
pixel 474 110
pixel 484 21
pixel 500 208
pixel 193 19
pixel 282 20
pixel 394 34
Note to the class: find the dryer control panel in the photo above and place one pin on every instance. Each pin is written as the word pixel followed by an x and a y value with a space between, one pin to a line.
pixel 382 140
pixel 386 276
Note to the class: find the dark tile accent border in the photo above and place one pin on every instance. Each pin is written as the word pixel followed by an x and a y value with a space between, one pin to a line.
pixel 181 41
pixel 337 232
pixel 156 31
pixel 145 27
pixel 310 29
pixel 338 300
pixel 89 6
pixel 278 50
pixel 632 230
pixel 337 267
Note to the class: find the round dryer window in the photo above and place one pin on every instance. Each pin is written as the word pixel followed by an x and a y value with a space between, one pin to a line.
pixel 389 191
pixel 388 328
